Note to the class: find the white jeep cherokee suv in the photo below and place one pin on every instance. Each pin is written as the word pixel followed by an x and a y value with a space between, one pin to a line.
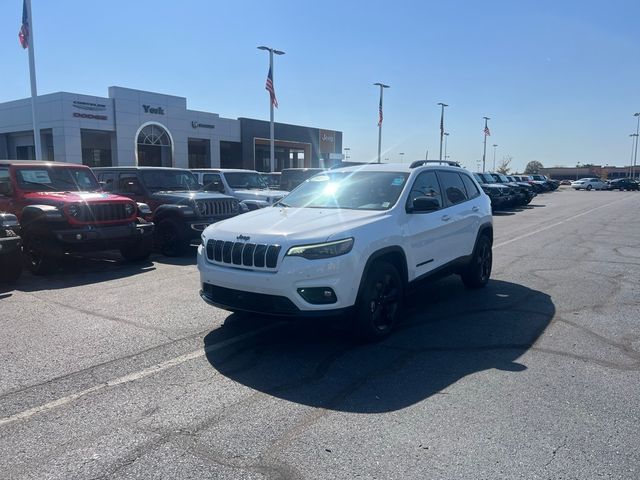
pixel 351 240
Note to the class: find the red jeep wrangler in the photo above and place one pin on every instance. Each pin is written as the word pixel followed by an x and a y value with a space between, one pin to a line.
pixel 62 209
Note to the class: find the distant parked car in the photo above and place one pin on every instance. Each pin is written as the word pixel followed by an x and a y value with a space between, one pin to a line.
pixel 565 182
pixel 589 184
pixel 623 184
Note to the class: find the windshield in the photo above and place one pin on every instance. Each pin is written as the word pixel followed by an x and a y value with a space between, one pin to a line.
pixel 479 178
pixel 169 180
pixel 349 190
pixel 56 179
pixel 245 180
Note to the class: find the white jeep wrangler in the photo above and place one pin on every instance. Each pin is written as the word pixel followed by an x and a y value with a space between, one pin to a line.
pixel 351 240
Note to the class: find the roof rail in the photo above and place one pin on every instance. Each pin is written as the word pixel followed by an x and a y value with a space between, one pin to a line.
pixel 420 163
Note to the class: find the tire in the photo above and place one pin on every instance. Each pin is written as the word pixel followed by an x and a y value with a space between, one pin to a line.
pixel 170 238
pixel 589 187
pixel 12 268
pixel 380 303
pixel 38 261
pixel 478 272
pixel 136 252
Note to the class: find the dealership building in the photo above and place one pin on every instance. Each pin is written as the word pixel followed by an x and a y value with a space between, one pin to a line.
pixel 134 127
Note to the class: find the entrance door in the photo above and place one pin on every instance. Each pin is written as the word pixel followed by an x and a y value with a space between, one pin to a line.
pixel 154 147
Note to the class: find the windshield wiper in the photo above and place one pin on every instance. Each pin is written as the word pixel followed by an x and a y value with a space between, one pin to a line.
pixel 281 204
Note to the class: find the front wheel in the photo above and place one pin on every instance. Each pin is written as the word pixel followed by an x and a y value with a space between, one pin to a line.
pixel 477 273
pixel 380 302
pixel 589 187
pixel 12 268
pixel 38 260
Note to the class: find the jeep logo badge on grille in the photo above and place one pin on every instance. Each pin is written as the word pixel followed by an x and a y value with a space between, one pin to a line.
pixel 243 238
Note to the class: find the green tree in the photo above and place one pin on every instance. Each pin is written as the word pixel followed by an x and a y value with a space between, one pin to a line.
pixel 533 167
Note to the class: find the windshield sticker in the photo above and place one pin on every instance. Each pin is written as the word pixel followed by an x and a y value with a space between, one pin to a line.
pixel 35 176
pixel 397 181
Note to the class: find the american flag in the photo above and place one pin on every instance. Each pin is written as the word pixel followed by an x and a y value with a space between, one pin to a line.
pixel 486 131
pixel 269 87
pixel 23 34
pixel 380 113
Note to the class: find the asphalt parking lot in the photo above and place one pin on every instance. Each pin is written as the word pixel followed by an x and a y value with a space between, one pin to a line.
pixel 109 370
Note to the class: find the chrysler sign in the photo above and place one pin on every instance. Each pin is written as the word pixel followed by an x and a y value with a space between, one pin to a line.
pixel 94 107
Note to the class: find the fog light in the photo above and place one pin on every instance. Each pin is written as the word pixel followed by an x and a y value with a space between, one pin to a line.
pixel 78 236
pixel 318 295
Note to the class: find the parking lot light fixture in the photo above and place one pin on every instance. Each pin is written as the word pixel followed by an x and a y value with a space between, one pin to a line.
pixel 634 151
pixel 495 145
pixel 577 168
pixel 635 155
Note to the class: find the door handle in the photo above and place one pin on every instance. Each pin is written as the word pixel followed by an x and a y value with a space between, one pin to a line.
pixel 475 209
pixel 445 218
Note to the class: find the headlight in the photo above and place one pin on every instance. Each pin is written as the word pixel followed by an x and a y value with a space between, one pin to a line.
pixel 128 209
pixel 144 209
pixel 74 210
pixel 201 207
pixel 322 250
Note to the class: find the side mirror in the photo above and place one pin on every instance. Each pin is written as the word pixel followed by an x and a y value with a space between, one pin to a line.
pixel 425 204
pixel 6 189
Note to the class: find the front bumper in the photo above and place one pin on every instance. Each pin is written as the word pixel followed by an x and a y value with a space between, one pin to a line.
pixel 276 292
pixel 102 238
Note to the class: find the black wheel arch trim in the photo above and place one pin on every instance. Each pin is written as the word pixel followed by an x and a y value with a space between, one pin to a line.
pixel 377 255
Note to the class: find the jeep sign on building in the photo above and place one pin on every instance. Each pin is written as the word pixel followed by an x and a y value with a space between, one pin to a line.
pixel 139 128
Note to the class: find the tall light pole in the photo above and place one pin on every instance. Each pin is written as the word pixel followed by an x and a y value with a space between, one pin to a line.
pixel 382 87
pixel 486 134
pixel 401 156
pixel 442 105
pixel 446 136
pixel 634 147
pixel 577 168
pixel 495 145
pixel 272 102
pixel 635 155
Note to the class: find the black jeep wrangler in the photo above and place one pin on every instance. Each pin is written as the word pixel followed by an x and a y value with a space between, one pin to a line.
pixel 10 254
pixel 179 210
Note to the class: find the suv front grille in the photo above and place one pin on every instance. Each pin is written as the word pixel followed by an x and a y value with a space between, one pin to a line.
pixel 217 208
pixel 102 212
pixel 243 254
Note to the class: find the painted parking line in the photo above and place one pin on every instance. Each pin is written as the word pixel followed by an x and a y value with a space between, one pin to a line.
pixel 548 227
pixel 159 367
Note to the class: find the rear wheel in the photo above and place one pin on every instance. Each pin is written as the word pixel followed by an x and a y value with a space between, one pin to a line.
pixel 38 260
pixel 477 273
pixel 380 302
pixel 589 187
pixel 172 243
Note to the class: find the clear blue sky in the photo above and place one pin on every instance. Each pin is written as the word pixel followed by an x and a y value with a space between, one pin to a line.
pixel 559 79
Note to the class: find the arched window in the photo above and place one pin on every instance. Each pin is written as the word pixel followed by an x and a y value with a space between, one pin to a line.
pixel 154 147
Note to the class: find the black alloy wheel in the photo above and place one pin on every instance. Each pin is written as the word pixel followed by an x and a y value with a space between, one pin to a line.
pixel 478 272
pixel 38 261
pixel 380 302
pixel 170 238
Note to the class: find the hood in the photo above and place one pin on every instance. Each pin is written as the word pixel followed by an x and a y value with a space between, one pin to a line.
pixel 288 225
pixel 53 198
pixel 185 196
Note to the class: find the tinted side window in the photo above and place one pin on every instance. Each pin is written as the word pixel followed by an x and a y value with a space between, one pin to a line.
pixel 425 185
pixel 129 183
pixel 107 180
pixel 472 190
pixel 452 187
pixel 212 182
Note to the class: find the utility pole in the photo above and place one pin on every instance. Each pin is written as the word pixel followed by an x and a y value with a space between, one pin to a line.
pixel 442 105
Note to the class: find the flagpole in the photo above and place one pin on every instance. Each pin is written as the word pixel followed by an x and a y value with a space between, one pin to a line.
pixel 34 88
pixel 484 152
pixel 382 87
pixel 272 140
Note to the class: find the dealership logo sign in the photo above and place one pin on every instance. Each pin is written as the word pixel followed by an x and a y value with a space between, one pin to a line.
pixel 154 110
pixel 195 124
pixel 328 138
pixel 94 107
pixel 90 116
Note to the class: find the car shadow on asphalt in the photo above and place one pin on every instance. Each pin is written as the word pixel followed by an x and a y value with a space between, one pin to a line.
pixel 448 333
pixel 81 269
